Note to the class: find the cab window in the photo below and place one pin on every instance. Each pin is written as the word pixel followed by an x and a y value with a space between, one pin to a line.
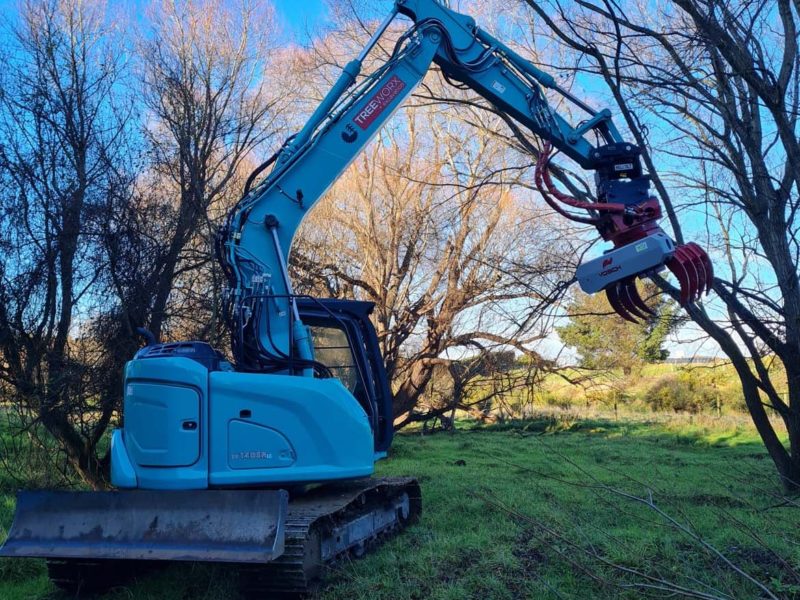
pixel 332 348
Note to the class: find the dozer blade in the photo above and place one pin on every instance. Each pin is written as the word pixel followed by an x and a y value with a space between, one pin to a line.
pixel 243 526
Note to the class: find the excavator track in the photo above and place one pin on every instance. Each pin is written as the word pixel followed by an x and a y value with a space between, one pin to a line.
pixel 327 525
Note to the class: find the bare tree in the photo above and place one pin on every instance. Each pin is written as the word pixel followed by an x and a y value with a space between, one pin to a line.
pixel 432 226
pixel 208 106
pixel 62 146
pixel 715 85
pixel 90 250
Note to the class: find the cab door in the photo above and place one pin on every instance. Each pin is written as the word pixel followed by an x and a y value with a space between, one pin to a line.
pixel 345 341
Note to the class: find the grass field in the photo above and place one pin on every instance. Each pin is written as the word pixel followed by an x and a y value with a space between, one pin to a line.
pixel 711 388
pixel 551 508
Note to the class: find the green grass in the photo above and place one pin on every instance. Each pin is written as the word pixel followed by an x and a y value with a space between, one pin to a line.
pixel 533 509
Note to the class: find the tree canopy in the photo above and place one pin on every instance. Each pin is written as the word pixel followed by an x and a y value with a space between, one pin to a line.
pixel 606 342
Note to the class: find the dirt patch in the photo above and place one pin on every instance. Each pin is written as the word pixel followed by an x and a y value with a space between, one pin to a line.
pixel 456 566
pixel 756 556
pixel 531 558
pixel 764 566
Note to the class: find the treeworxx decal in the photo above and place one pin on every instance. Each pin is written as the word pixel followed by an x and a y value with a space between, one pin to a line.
pixel 378 103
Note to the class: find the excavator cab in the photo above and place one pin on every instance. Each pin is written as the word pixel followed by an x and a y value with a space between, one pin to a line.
pixel 345 341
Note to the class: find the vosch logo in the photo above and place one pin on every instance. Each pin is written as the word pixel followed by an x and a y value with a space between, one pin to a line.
pixel 608 272
pixel 607 262
pixel 378 103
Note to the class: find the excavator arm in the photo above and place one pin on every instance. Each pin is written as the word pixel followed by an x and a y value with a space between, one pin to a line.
pixel 252 247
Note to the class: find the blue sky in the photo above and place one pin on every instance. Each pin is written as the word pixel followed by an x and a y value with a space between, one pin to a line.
pixel 301 16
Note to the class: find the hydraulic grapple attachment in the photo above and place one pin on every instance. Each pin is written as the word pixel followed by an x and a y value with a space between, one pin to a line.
pixel 616 272
pixel 627 216
pixel 241 526
pixel 621 265
pixel 618 269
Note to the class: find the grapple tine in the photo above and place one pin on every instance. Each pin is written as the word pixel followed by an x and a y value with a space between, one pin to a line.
pixel 696 254
pixel 675 264
pixel 694 278
pixel 707 265
pixel 701 259
pixel 688 258
pixel 627 289
pixel 692 267
pixel 637 299
pixel 612 293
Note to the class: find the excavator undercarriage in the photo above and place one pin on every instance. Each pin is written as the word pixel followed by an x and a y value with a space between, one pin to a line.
pixel 329 524
pixel 276 545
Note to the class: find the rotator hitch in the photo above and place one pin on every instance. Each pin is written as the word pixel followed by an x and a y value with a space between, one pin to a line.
pixel 626 215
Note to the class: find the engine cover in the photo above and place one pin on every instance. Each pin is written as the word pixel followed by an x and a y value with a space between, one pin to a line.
pixel 190 427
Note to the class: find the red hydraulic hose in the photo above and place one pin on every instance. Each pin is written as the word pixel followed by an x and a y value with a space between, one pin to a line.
pixel 543 172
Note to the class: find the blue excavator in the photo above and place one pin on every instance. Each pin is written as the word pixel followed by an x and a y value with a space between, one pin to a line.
pixel 264 460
